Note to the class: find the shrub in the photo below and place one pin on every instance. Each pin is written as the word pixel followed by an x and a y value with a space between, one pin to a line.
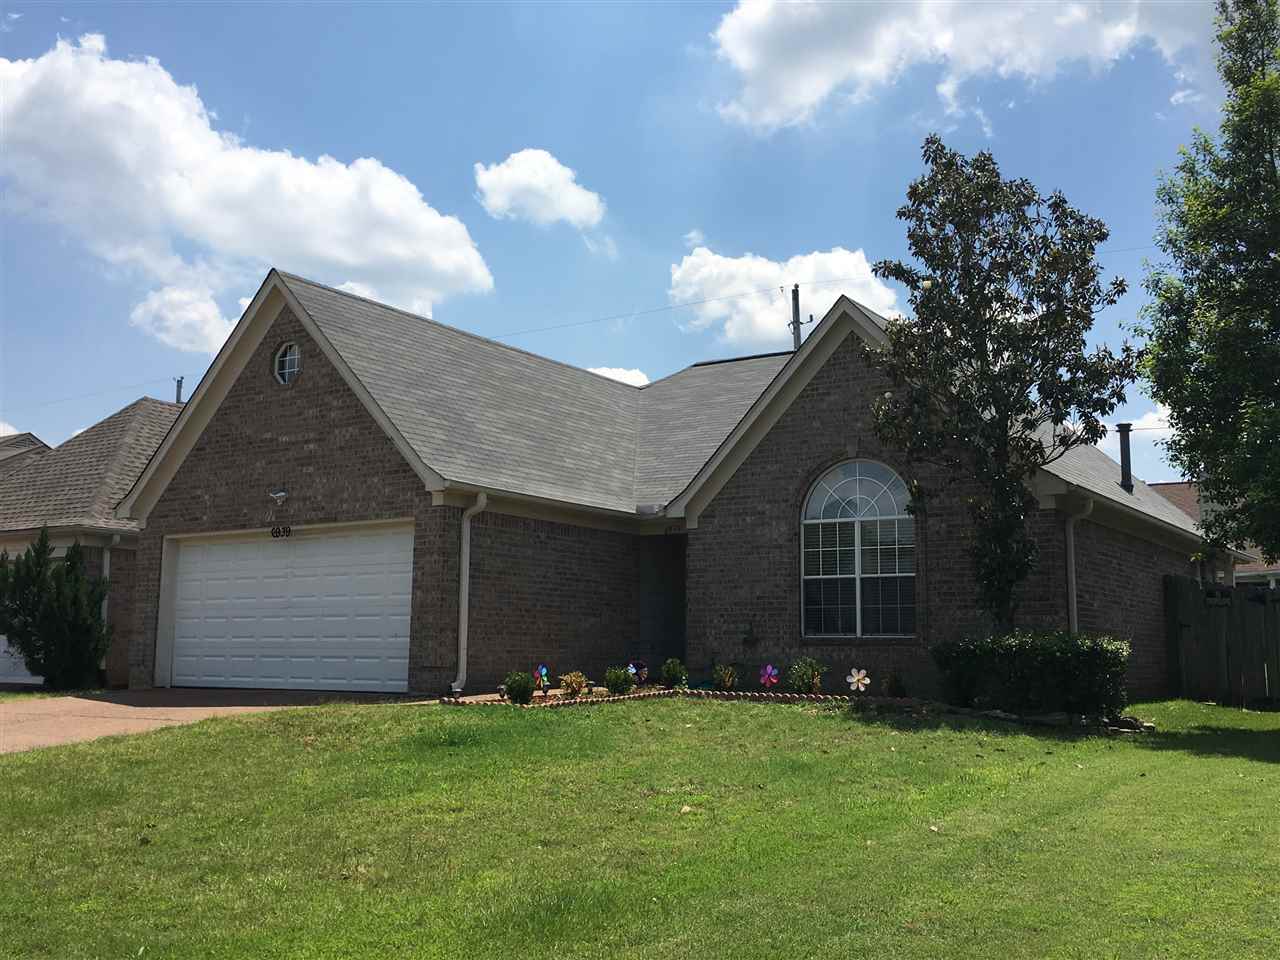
pixel 724 676
pixel 519 686
pixel 51 614
pixel 674 674
pixel 1036 672
pixel 574 684
pixel 619 680
pixel 805 676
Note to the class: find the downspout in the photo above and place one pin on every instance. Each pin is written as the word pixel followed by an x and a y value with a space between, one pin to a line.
pixel 1073 612
pixel 464 588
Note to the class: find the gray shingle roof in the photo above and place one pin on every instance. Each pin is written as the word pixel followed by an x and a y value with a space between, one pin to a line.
pixel 482 413
pixel 686 416
pixel 1092 470
pixel 79 483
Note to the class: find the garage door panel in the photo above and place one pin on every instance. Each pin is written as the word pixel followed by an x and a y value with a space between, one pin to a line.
pixel 314 611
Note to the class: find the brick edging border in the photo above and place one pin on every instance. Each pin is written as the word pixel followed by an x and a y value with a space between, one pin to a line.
pixel 1121 726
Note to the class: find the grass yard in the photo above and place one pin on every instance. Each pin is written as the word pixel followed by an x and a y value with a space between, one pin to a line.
pixel 29 693
pixel 423 831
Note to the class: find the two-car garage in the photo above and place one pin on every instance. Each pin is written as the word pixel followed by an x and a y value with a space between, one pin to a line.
pixel 317 608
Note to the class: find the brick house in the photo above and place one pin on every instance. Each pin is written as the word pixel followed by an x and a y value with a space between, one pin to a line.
pixel 73 489
pixel 359 498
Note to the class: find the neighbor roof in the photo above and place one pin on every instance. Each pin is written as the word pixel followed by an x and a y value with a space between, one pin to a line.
pixel 79 483
pixel 17 449
pixel 1186 495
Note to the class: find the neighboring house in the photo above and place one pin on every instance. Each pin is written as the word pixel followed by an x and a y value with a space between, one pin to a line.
pixel 1186 496
pixel 17 449
pixel 73 490
pixel 359 498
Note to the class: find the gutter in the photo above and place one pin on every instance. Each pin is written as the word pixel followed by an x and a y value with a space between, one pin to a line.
pixel 464 589
pixel 1073 612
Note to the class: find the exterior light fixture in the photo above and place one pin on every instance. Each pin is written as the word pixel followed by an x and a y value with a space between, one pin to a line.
pixel 279 496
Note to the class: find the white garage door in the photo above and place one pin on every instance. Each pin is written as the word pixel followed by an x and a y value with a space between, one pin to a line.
pixel 12 669
pixel 317 610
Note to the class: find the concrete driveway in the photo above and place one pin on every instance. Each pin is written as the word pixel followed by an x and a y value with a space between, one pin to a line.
pixel 29 722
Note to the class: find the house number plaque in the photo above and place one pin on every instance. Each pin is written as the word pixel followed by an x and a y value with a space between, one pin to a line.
pixel 278 532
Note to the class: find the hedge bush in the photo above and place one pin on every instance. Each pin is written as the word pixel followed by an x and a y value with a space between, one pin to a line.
pixel 1036 672
pixel 805 675
pixel 674 674
pixel 518 686
pixel 619 680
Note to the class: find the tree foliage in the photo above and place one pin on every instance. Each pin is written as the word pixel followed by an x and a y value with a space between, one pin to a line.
pixel 1213 327
pixel 51 614
pixel 992 375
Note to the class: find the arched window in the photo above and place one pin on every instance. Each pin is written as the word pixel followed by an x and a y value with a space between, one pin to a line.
pixel 858 554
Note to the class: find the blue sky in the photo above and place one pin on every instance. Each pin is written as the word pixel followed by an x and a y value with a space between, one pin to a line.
pixel 509 167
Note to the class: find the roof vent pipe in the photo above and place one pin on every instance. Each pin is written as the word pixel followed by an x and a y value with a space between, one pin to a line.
pixel 1126 463
pixel 464 589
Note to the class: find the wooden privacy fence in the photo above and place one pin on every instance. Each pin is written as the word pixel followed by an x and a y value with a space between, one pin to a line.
pixel 1224 642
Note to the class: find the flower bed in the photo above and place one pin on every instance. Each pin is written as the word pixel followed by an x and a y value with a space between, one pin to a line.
pixel 1112 727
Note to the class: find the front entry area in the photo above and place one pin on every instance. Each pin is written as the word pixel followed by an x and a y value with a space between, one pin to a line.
pixel 321 608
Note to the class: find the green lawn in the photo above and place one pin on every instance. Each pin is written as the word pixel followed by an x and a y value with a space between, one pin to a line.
pixel 425 831
pixel 31 693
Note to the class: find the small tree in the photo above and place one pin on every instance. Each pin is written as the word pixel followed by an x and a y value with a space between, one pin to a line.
pixel 1213 356
pixel 51 614
pixel 992 376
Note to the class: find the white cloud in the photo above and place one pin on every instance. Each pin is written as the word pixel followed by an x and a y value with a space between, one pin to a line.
pixel 637 378
pixel 533 185
pixel 128 161
pixel 792 58
pixel 7 428
pixel 760 317
pixel 185 318
pixel 694 238
pixel 1185 95
pixel 601 244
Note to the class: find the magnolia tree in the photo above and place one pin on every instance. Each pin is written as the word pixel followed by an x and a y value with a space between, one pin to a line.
pixel 1213 355
pixel 992 375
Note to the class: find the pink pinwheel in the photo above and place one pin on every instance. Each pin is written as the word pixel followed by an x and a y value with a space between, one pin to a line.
pixel 768 675
pixel 857 680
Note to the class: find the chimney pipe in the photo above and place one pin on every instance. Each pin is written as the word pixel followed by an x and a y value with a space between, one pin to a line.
pixel 795 316
pixel 177 393
pixel 1126 464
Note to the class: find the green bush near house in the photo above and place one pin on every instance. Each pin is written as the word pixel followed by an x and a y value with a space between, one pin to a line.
pixel 805 675
pixel 574 684
pixel 1036 672
pixel 619 680
pixel 674 674
pixel 724 676
pixel 518 686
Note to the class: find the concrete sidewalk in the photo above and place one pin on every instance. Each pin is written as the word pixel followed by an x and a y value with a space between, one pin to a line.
pixel 29 722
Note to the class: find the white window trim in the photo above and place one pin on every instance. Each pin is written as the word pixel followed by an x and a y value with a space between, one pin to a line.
pixel 857 562
pixel 279 354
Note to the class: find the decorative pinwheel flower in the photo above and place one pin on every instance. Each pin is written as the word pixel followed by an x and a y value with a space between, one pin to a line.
pixel 857 680
pixel 768 675
pixel 638 669
pixel 542 677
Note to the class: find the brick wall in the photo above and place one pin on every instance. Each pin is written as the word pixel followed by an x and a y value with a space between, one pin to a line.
pixel 553 593
pixel 314 439
pixel 1120 591
pixel 744 556
pixel 121 603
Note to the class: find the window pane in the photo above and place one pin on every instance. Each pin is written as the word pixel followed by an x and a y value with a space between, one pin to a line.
pixel 870 561
pixel 906 559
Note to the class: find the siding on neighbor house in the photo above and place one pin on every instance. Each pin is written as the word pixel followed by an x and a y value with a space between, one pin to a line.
pixel 744 556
